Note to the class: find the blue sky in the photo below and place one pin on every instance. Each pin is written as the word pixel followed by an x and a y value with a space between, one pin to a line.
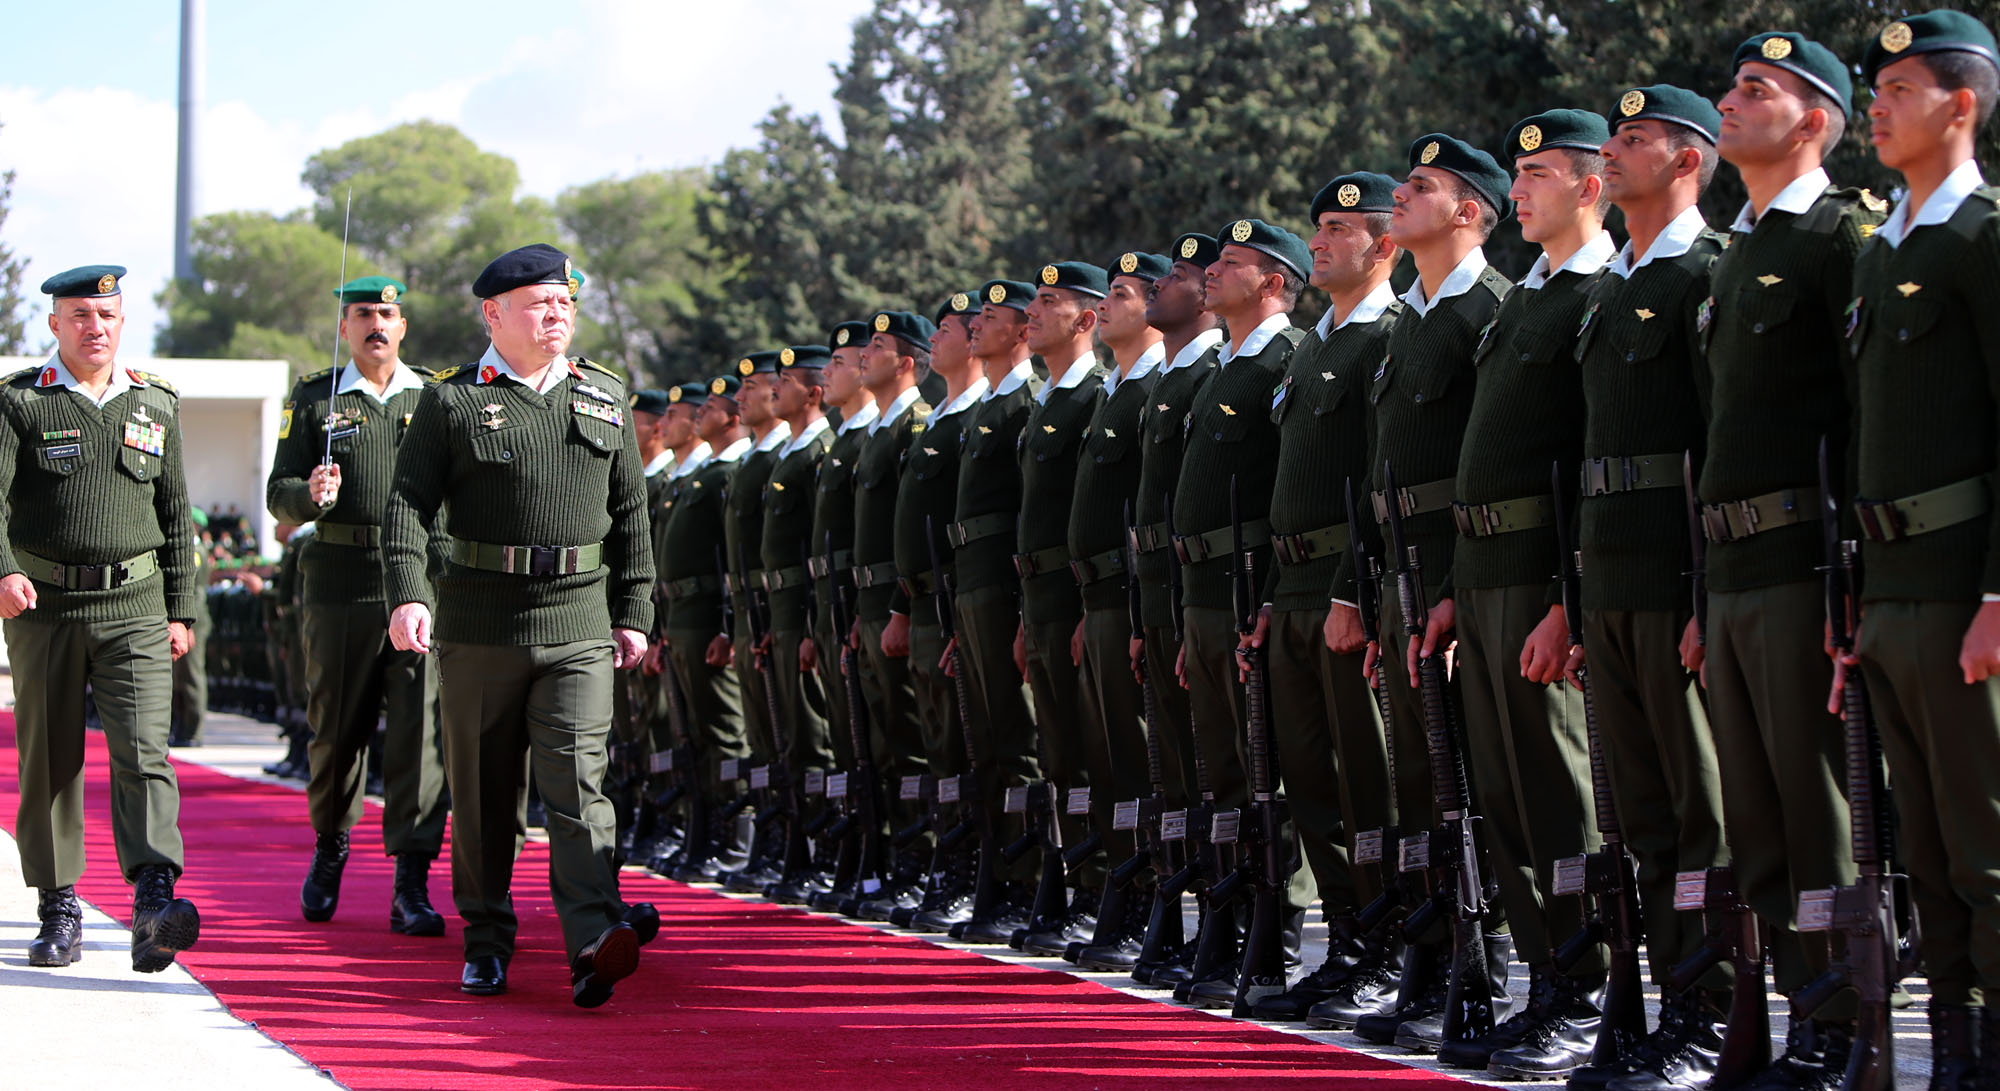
pixel 572 92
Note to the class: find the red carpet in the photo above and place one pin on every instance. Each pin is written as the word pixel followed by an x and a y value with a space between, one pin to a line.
pixel 732 994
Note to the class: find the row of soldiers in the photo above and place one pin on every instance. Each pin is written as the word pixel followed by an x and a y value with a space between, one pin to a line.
pixel 1022 660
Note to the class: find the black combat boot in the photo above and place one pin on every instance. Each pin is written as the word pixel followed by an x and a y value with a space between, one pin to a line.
pixel 162 925
pixel 1425 1034
pixel 903 889
pixel 1815 1059
pixel 1955 1046
pixel 1561 1039
pixel 319 896
pixel 1010 911
pixel 60 942
pixel 410 910
pixel 1678 1056
pixel 1117 944
pixel 1076 923
pixel 1343 953
pixel 1476 1052
pixel 949 900
pixel 1368 989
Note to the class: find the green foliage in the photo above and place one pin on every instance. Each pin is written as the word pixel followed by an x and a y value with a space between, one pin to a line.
pixel 264 290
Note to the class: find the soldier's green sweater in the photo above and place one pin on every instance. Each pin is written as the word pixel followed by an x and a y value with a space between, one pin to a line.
pixel 1638 358
pixel 1163 440
pixel 833 508
pixel 927 493
pixel 1107 487
pixel 1050 442
pixel 1422 396
pixel 743 525
pixel 534 469
pixel 695 511
pixel 875 487
pixel 1230 434
pixel 788 517
pixel 989 483
pixel 1322 417
pixel 1774 375
pixel 82 487
pixel 657 487
pixel 1927 357
pixel 1527 416
pixel 366 434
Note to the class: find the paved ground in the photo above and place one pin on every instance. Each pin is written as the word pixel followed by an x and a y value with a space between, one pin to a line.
pixel 174 1033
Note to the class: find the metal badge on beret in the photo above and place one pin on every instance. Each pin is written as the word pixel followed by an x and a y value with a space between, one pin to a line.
pixel 1777 49
pixel 717 386
pixel 1349 195
pixel 1531 138
pixel 674 395
pixel 1897 36
pixel 840 337
pixel 996 294
pixel 1430 152
pixel 1633 102
pixel 1049 274
pixel 786 356
pixel 1240 231
pixel 745 367
pixel 1129 263
pixel 961 302
pixel 1189 247
pixel 881 323
pixel 106 283
pixel 388 293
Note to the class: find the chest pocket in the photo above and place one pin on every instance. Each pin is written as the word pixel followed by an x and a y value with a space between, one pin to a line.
pixel 1427 384
pixel 1632 339
pixel 346 437
pixel 1107 449
pixel 1765 310
pixel 1224 422
pixel 835 473
pixel 1051 437
pixel 63 458
pixel 596 436
pixel 927 462
pixel 1320 394
pixel 1904 321
pixel 142 447
pixel 495 448
pixel 988 442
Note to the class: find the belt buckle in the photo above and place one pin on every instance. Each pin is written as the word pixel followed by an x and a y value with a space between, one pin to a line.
pixel 88 577
pixel 1024 565
pixel 543 561
pixel 1747 512
pixel 1082 571
pixel 1596 479
pixel 117 575
pixel 1380 502
pixel 955 534
pixel 1881 520
pixel 1290 548
pixel 1461 514
pixel 1714 525
pixel 1189 549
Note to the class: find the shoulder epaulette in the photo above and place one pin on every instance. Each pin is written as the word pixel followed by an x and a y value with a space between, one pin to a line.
pixel 1293 334
pixel 585 361
pixel 920 416
pixel 319 376
pixel 441 376
pixel 151 379
pixel 1972 216
pixel 1825 217
pixel 422 371
pixel 21 374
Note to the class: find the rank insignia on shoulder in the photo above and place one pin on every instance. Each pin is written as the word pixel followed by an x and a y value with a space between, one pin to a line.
pixel 610 414
pixel 447 373
pixel 1873 203
pixel 1770 279
pixel 1868 231
pixel 1704 314
pixel 1909 288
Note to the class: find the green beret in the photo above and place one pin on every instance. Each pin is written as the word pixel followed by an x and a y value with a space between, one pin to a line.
pixel 1802 57
pixel 1140 266
pixel 803 358
pixel 1932 32
pixel 199 516
pixel 757 363
pixel 1577 130
pixel 1007 293
pixel 1196 248
pixel 650 401
pixel 537 263
pixel 85 282
pixel 576 279
pixel 960 304
pixel 1269 239
pixel 1674 105
pixel 1077 276
pixel 914 329
pixel 847 333
pixel 687 394
pixel 371 290
pixel 1479 170
pixel 724 386
pixel 1362 191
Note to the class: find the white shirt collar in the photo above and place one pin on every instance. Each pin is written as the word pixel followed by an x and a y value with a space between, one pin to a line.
pixel 965 400
pixel 402 378
pixel 1588 259
pixel 1671 243
pixel 1794 198
pixel 662 461
pixel 861 418
pixel 1155 354
pixel 811 432
pixel 695 460
pixel 1072 377
pixel 1938 207
pixel 1259 337
pixel 1368 310
pixel 57 373
pixel 903 401
pixel 775 438
pixel 1457 282
pixel 493 367
pixel 1010 382
pixel 732 452
pixel 1192 351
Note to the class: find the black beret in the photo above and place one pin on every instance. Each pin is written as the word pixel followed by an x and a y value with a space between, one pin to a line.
pixel 725 386
pixel 913 329
pixel 371 290
pixel 1674 105
pixel 1577 130
pixel 1077 276
pixel 687 394
pixel 1269 239
pixel 536 263
pixel 1197 249
pixel 1802 57
pixel 1480 170
pixel 85 282
pixel 846 334
pixel 962 304
pixel 758 363
pixel 1932 32
pixel 650 401
pixel 1007 293
pixel 1140 265
pixel 803 358
pixel 1362 191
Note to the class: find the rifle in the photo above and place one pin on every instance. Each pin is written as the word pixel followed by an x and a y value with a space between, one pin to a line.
pixel 1398 892
pixel 680 760
pixel 1863 914
pixel 1697 548
pixel 732 769
pixel 776 777
pixel 1607 875
pixel 1259 863
pixel 862 823
pixel 1468 1009
pixel 974 817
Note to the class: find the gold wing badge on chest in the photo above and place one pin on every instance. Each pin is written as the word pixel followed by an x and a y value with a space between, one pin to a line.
pixel 492 419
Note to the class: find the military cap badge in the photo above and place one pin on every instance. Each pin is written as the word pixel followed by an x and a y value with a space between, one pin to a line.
pixel 1430 152
pixel 1049 274
pixel 961 302
pixel 1531 138
pixel 717 386
pixel 1240 231
pixel 1896 37
pixel 744 367
pixel 388 293
pixel 1349 195
pixel 997 294
pixel 575 284
pixel 1633 102
pixel 106 284
pixel 674 395
pixel 1188 248
pixel 1777 49
pixel 1129 263
pixel 568 273
pixel 881 323
pixel 786 356
pixel 840 337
